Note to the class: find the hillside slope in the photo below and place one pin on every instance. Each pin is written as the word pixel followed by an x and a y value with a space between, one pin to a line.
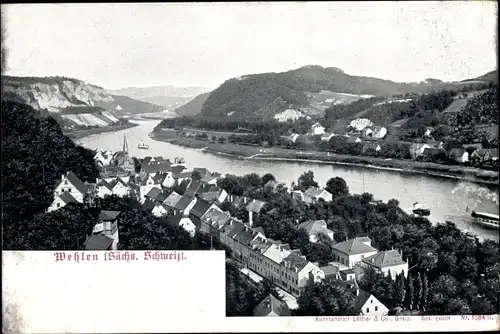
pixel 193 107
pixel 60 94
pixel 310 89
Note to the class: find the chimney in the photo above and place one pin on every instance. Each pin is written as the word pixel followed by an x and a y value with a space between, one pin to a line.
pixel 250 217
pixel 62 177
pixel 373 260
pixel 96 180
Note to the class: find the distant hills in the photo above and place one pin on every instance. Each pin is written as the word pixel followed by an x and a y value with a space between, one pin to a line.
pixel 310 89
pixel 73 100
pixel 170 97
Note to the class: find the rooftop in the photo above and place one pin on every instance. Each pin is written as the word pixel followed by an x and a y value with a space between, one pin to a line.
pixel 98 242
pixel 354 246
pixel 385 259
pixel 271 304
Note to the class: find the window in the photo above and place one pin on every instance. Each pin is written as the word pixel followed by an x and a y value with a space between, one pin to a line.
pixel 65 181
pixel 371 301
pixel 376 308
pixel 69 190
pixel 367 310
pixel 58 204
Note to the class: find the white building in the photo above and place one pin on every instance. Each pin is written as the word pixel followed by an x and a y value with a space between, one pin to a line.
pixel 385 262
pixel 317 129
pixel 146 185
pixel 352 251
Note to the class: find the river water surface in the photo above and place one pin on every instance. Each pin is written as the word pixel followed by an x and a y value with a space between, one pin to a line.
pixel 446 198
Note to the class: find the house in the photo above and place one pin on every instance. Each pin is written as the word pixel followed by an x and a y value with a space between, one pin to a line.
pixel 72 184
pixel 359 124
pixel 386 262
pixel 331 272
pixel 184 205
pixel 368 305
pixel 317 129
pixel 352 251
pixel 168 180
pixel 327 136
pixel 153 167
pixel 347 274
pixel 146 185
pixel 120 188
pixel 353 140
pixel 218 196
pixel 371 147
pixel 485 155
pixel 199 209
pixel 315 227
pixel 159 209
pixel 103 188
pixel 171 201
pixel 301 271
pixel 379 132
pixel 255 206
pixel 213 221
pixel 98 242
pixel 459 155
pixel 61 201
pixel 108 226
pixel 417 149
pixel 314 194
pixel 153 194
pixel 103 158
pixel 271 306
pixel 185 222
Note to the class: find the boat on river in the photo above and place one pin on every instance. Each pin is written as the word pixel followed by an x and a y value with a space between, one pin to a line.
pixel 143 146
pixel 420 210
pixel 488 220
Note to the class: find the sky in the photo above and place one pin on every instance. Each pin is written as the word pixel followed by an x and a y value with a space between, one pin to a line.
pixel 204 44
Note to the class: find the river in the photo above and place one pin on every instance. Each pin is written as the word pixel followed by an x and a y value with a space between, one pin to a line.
pixel 446 198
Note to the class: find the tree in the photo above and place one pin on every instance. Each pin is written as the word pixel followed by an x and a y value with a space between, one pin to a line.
pixel 267 177
pixel 418 290
pixel 399 289
pixel 337 187
pixel 425 292
pixel 410 292
pixel 306 181
pixel 328 297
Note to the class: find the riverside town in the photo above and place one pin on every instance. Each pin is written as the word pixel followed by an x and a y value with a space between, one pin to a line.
pixel 338 195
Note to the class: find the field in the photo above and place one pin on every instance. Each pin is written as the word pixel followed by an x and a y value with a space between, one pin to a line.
pixel 325 99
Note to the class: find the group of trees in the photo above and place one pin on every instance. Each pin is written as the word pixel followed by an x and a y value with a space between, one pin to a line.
pixel 35 154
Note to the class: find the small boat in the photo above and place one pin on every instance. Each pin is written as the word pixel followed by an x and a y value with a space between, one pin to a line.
pixel 419 209
pixel 488 220
pixel 143 146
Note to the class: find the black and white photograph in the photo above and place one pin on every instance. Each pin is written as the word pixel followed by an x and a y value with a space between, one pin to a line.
pixel 342 155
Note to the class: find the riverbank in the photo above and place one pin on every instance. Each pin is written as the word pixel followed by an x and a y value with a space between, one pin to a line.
pixel 280 154
pixel 78 134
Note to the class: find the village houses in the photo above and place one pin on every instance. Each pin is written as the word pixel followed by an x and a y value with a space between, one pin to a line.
pixel 317 129
pixel 70 189
pixel 387 262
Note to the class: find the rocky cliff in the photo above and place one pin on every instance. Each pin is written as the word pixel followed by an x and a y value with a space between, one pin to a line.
pixel 69 96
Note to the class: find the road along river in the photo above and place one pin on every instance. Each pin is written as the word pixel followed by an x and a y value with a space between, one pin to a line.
pixel 446 198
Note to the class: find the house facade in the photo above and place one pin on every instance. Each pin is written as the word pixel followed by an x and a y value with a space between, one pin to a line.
pixel 352 251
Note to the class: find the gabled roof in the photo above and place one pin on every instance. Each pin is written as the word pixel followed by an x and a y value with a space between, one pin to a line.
pixel 210 196
pixel 385 259
pixel 215 217
pixel 116 181
pixel 144 182
pixel 172 199
pixel 255 206
pixel 193 186
pixel 314 192
pixel 276 253
pixel 183 203
pixel 296 261
pixel 314 226
pixel 67 198
pixel 98 242
pixel 203 171
pixel 361 299
pixel 106 215
pixel 353 246
pixel 75 181
pixel 234 229
pixel 271 304
pixel 150 168
pixel 103 183
pixel 330 270
pixel 175 220
pixel 162 196
pixel 153 193
pixel 200 208
pixel 149 204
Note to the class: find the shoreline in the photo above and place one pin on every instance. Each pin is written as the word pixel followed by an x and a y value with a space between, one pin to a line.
pixel 410 167
pixel 79 134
